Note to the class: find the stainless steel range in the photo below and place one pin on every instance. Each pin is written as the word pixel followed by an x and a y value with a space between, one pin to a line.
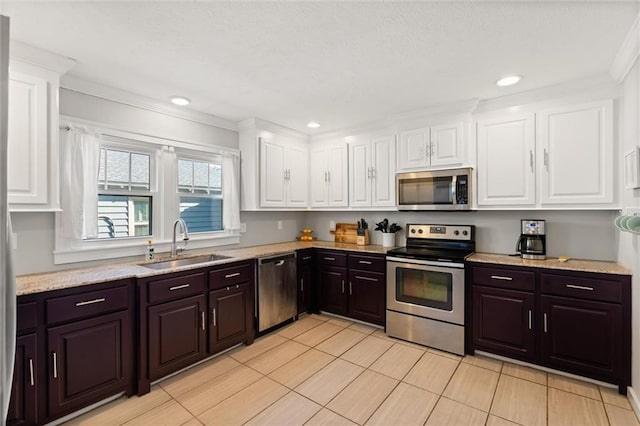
pixel 425 286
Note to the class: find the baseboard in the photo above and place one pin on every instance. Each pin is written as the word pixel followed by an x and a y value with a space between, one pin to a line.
pixel 634 400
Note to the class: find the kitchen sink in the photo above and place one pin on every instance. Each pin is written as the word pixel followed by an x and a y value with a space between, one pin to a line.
pixel 174 263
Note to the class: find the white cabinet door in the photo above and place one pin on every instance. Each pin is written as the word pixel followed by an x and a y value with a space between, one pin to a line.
pixel 383 159
pixel 272 174
pixel 28 169
pixel 413 150
pixel 359 174
pixel 446 145
pixel 297 181
pixel 338 176
pixel 576 147
pixel 318 177
pixel 506 163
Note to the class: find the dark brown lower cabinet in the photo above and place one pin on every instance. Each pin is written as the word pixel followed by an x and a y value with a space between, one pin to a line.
pixel 230 320
pixel 367 296
pixel 22 407
pixel 306 284
pixel 333 296
pixel 177 336
pixel 503 321
pixel 88 361
pixel 582 335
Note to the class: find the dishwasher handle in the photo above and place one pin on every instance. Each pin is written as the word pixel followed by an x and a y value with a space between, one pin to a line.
pixel 278 260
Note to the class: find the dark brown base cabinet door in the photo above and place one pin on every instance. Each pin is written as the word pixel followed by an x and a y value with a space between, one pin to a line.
pixel 503 321
pixel 88 361
pixel 230 317
pixel 305 277
pixel 367 296
pixel 582 336
pixel 177 336
pixel 333 296
pixel 22 407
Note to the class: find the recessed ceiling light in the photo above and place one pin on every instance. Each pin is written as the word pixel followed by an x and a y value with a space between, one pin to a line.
pixel 313 125
pixel 180 100
pixel 508 80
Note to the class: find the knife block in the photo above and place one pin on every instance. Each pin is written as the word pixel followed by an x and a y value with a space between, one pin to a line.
pixel 363 240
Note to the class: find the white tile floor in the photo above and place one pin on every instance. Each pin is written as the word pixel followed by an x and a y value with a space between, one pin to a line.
pixel 326 371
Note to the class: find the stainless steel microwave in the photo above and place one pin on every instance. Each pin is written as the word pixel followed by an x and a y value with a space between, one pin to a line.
pixel 434 190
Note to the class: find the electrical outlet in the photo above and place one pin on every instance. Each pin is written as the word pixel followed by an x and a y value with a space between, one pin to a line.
pixel 243 227
pixel 279 225
pixel 332 225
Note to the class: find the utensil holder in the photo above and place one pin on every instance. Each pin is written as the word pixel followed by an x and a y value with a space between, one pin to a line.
pixel 363 240
pixel 388 239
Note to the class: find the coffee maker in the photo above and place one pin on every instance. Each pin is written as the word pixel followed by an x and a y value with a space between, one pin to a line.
pixel 532 242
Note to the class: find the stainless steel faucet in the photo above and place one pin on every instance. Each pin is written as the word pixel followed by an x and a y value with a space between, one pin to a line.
pixel 185 237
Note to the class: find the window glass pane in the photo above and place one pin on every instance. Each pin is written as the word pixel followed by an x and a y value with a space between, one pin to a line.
pixel 215 178
pixel 123 216
pixel 139 171
pixel 118 169
pixel 201 214
pixel 200 177
pixel 185 175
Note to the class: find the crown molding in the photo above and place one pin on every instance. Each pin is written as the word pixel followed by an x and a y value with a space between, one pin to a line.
pixel 22 52
pixel 80 85
pixel 628 53
pixel 259 124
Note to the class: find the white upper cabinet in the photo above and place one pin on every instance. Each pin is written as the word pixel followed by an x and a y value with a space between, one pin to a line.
pixel 575 144
pixel 329 176
pixel 506 163
pixel 283 174
pixel 372 172
pixel 434 146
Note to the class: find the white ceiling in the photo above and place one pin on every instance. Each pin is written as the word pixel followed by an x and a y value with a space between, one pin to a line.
pixel 340 64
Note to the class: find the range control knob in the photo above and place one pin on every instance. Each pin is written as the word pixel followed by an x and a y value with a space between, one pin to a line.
pixel 420 231
pixel 464 233
pixel 413 231
pixel 456 232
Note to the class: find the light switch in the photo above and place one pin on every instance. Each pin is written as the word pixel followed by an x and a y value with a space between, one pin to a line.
pixel 279 225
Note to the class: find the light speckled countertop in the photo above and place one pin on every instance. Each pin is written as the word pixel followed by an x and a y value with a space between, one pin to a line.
pixel 49 281
pixel 552 263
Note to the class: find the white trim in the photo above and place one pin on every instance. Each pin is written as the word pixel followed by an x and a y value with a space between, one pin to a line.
pixel 41 58
pixel 77 84
pixel 263 125
pixel 632 396
pixel 628 53
pixel 108 130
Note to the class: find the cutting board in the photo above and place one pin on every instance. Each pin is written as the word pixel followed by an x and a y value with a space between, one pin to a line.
pixel 345 233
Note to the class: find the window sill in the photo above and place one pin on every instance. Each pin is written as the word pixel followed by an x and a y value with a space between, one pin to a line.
pixel 137 247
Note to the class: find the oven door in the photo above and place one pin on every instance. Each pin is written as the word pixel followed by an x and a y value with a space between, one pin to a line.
pixel 426 289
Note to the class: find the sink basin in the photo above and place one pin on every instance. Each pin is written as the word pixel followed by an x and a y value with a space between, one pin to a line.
pixel 174 263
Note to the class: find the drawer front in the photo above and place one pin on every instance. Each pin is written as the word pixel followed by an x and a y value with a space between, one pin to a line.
pixel 581 287
pixel 305 257
pixel 504 278
pixel 368 263
pixel 87 304
pixel 332 258
pixel 176 287
pixel 230 276
pixel 27 317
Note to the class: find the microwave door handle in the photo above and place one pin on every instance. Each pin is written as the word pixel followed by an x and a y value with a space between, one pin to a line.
pixel 454 183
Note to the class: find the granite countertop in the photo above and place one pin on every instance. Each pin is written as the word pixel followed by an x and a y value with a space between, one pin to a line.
pixel 49 281
pixel 552 263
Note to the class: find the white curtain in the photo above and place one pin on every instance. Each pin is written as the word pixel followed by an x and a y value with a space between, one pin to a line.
pixel 231 191
pixel 79 196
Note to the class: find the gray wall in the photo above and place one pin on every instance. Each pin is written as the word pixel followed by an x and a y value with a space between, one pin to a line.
pixel 577 234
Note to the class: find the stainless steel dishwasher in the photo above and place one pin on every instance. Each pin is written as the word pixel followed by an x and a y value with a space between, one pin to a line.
pixel 277 290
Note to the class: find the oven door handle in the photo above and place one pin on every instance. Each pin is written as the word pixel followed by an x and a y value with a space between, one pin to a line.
pixel 425 262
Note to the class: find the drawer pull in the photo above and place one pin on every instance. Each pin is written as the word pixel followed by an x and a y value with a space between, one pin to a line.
pixel 91 302
pixel 202 320
pixel 235 274
pixel 366 278
pixel 342 286
pixel 364 262
pixel 31 372
pixel 213 315
pixel 329 258
pixel 306 257
pixel 55 365
pixel 530 325
pixel 579 287
pixel 302 285
pixel 500 277
pixel 178 287
pixel 544 317
pixel 350 289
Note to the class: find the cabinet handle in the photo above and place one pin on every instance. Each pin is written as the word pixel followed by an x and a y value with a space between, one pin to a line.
pixel 500 277
pixel 178 287
pixel 288 174
pixel 369 173
pixel 531 160
pixel 329 258
pixel 342 286
pixel 366 278
pixel 530 325
pixel 202 320
pixel 213 315
pixel 306 257
pixel 280 263
pixel 350 288
pixel 373 173
pixel 544 319
pixel 580 287
pixel 31 372
pixel 302 284
pixel 91 302
pixel 328 176
pixel 432 149
pixel 235 274
pixel 546 158
pixel 364 262
pixel 55 365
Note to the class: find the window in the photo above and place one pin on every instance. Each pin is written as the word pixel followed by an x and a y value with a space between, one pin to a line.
pixel 124 194
pixel 200 194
